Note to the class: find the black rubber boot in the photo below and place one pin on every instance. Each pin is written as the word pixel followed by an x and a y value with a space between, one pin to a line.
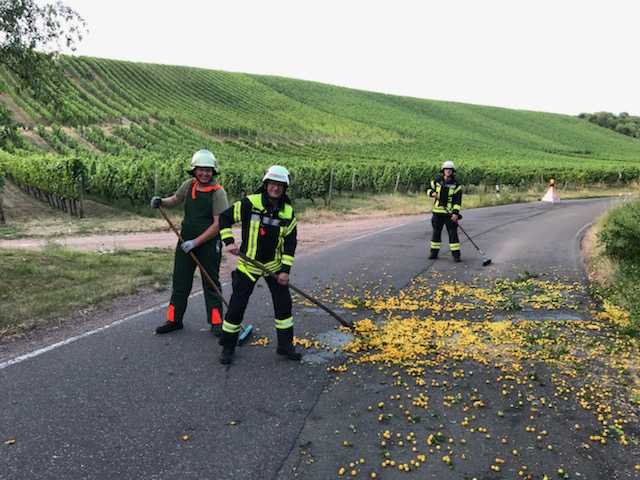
pixel 285 345
pixel 216 330
pixel 456 256
pixel 434 254
pixel 168 327
pixel 228 342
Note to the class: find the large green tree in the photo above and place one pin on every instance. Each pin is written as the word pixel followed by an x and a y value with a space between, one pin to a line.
pixel 32 36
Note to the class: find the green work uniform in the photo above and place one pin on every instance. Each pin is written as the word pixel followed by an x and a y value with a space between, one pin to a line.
pixel 199 209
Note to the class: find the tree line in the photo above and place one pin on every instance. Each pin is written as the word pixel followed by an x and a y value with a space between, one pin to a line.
pixel 623 123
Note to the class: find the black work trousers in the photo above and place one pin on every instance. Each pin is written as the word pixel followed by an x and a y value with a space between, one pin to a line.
pixel 438 221
pixel 243 288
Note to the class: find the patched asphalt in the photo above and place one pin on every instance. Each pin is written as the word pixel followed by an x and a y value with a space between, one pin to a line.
pixel 125 403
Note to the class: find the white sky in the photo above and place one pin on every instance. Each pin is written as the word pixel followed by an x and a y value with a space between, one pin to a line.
pixel 562 56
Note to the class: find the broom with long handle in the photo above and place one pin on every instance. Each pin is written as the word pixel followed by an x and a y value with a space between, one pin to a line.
pixel 485 260
pixel 257 264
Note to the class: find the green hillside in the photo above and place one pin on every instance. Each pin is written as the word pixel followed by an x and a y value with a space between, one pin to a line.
pixel 129 129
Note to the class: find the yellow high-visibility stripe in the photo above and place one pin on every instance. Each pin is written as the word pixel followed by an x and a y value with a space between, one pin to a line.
pixel 291 226
pixel 273 265
pixel 252 272
pixel 230 327
pixel 284 324
pixel 287 260
pixel 454 247
pixel 237 212
pixel 254 228
pixel 226 233
pixel 436 245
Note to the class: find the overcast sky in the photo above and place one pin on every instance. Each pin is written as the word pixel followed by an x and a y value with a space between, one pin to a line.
pixel 559 56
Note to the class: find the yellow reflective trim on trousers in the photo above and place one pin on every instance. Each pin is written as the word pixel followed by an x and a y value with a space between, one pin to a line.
pixel 436 245
pixel 287 260
pixel 237 212
pixel 230 327
pixel 226 233
pixel 454 247
pixel 284 324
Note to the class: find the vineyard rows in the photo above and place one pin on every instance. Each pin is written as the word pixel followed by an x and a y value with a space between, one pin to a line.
pixel 139 124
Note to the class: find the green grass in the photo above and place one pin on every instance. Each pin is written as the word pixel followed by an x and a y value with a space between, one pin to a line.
pixel 40 288
pixel 143 121
pixel 618 234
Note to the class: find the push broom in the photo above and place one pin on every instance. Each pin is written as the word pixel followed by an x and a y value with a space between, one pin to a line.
pixel 245 332
pixel 485 260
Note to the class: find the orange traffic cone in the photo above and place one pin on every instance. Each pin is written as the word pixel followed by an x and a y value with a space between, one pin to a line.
pixel 552 194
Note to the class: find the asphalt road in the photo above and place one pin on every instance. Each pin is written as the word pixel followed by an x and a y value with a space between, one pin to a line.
pixel 124 403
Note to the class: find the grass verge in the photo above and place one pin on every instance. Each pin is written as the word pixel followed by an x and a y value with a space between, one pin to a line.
pixel 614 265
pixel 38 288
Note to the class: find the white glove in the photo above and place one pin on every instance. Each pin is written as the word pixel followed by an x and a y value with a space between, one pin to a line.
pixel 188 246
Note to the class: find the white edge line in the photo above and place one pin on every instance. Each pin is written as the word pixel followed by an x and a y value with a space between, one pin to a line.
pixel 40 351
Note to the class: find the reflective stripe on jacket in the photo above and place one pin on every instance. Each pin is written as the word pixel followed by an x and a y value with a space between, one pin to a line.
pixel 269 234
pixel 447 196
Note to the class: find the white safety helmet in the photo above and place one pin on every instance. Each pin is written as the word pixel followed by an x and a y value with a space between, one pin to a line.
pixel 277 173
pixel 204 158
pixel 448 164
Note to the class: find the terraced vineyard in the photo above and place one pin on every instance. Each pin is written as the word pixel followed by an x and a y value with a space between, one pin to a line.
pixel 128 130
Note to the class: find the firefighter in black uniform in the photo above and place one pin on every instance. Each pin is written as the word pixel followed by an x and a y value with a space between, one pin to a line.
pixel 447 202
pixel 269 235
pixel 204 199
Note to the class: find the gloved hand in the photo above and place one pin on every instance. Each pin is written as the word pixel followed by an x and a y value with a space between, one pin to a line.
pixel 188 246
pixel 156 202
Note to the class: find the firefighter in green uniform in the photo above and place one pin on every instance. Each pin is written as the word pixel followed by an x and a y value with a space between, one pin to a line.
pixel 447 202
pixel 204 199
pixel 269 235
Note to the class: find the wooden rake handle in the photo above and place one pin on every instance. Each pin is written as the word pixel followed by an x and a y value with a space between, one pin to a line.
pixel 195 259
pixel 313 300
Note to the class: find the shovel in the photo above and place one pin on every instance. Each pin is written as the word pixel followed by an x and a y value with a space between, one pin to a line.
pixel 245 332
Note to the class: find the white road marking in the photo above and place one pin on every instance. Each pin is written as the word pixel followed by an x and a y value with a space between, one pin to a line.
pixel 40 351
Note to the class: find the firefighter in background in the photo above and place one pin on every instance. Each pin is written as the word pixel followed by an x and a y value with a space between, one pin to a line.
pixel 204 199
pixel 447 202
pixel 269 235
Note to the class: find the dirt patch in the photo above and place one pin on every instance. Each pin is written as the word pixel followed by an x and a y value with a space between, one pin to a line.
pixel 34 139
pixel 81 141
pixel 600 270
pixel 28 217
pixel 311 237
pixel 19 115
